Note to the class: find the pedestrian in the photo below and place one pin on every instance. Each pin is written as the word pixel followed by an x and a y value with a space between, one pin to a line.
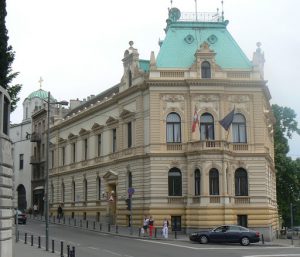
pixel 59 212
pixel 165 229
pixel 151 226
pixel 145 226
pixel 35 209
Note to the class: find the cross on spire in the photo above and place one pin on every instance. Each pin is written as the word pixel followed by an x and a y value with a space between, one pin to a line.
pixel 41 81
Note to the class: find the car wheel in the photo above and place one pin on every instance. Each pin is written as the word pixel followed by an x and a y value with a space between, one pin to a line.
pixel 245 241
pixel 203 239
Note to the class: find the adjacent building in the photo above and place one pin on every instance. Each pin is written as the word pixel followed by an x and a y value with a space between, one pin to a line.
pixel 158 132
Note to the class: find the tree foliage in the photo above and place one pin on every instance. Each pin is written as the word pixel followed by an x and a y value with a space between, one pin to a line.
pixel 7 56
pixel 288 176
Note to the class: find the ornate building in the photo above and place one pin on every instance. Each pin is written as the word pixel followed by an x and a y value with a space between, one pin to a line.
pixel 158 131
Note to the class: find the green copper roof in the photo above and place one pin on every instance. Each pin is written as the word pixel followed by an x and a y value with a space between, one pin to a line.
pixel 42 94
pixel 144 65
pixel 184 38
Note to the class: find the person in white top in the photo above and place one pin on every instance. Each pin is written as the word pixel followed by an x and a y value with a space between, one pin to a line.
pixel 165 229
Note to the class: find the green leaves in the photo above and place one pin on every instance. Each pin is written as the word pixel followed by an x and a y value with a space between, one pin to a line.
pixel 288 170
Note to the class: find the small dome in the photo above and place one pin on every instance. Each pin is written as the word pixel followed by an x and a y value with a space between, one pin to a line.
pixel 42 94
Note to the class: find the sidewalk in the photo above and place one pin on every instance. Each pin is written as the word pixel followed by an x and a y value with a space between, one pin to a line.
pixel 26 250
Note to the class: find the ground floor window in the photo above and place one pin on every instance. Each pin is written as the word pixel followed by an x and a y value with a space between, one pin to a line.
pixel 242 220
pixel 84 216
pixel 176 223
pixel 128 220
pixel 98 217
pixel 72 215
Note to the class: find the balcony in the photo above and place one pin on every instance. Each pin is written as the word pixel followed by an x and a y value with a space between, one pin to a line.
pixel 36 160
pixel 35 137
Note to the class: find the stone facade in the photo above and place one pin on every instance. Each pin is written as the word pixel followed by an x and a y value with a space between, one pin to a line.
pixel 6 179
pixel 157 131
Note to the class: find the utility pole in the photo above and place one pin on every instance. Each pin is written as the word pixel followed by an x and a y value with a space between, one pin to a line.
pixel 292 225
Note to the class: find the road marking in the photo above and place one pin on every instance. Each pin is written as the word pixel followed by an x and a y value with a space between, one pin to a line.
pixel 111 252
pixel 93 248
pixel 222 248
pixel 274 255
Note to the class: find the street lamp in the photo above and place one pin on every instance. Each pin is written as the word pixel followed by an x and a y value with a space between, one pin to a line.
pixel 46 195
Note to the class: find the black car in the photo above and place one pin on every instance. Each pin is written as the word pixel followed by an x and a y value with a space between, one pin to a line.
pixel 295 231
pixel 22 217
pixel 226 233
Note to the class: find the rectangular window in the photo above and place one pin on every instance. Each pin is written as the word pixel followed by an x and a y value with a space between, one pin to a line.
pixel 114 140
pixel 5 116
pixel 85 149
pixel 21 163
pixel 242 220
pixel 63 156
pixel 99 145
pixel 129 134
pixel 52 159
pixel 73 152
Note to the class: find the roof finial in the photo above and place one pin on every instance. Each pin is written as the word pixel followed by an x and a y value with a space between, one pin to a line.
pixel 196 11
pixel 171 3
pixel 41 81
pixel 222 2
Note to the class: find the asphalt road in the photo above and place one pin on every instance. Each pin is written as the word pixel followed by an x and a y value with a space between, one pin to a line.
pixel 92 244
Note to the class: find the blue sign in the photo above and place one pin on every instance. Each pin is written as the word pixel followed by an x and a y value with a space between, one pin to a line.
pixel 130 190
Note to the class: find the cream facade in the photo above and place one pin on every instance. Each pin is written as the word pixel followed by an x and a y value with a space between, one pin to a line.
pixel 157 131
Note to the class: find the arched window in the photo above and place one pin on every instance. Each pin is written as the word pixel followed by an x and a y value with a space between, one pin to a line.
pixel 239 128
pixel 22 203
pixel 207 127
pixel 63 192
pixel 175 184
pixel 173 128
pixel 205 70
pixel 73 191
pixel 197 182
pixel 85 192
pixel 241 182
pixel 98 188
pixel 129 178
pixel 214 182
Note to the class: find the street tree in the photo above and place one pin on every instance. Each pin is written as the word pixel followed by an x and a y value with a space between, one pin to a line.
pixel 288 179
pixel 7 56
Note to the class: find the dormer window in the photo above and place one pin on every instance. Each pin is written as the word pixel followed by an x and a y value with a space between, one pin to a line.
pixel 205 70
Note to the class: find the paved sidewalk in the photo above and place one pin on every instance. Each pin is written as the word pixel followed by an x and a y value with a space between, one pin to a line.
pixel 26 250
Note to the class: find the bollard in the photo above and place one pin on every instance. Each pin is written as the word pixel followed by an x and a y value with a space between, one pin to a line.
pixel 108 227
pixel 117 229
pixel 87 224
pixel 31 240
pixel 52 246
pixel 140 232
pixel 73 251
pixel 61 249
pixel 94 225
pixel 175 234
pixel 262 239
pixel 39 242
pixel 25 241
pixel 100 226
pixel 68 250
pixel 155 232
pixel 18 235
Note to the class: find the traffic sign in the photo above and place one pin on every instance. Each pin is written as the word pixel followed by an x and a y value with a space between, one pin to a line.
pixel 130 190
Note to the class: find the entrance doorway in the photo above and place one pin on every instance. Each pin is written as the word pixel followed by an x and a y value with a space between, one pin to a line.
pixel 22 203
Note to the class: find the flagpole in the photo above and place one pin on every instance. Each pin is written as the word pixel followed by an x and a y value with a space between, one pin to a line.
pixel 196 10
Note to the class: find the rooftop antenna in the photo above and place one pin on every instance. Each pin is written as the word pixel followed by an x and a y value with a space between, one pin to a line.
pixel 171 3
pixel 196 10
pixel 222 2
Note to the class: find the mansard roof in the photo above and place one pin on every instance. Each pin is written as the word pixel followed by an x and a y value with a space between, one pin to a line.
pixel 184 37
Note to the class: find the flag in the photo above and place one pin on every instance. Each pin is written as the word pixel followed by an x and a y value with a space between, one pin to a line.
pixel 195 120
pixel 227 120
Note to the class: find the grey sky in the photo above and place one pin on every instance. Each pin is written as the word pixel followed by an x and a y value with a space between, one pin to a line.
pixel 77 46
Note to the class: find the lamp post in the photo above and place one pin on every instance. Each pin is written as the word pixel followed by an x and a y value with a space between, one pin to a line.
pixel 46 195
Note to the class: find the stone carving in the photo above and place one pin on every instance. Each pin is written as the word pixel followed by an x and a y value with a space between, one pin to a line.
pixel 206 102
pixel 240 102
pixel 172 102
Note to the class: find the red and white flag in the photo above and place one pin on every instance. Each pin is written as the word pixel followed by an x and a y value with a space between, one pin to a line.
pixel 195 120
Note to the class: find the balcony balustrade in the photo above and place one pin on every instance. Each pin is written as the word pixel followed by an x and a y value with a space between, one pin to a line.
pixel 35 137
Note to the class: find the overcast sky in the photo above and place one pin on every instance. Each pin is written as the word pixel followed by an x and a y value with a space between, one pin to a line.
pixel 76 46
